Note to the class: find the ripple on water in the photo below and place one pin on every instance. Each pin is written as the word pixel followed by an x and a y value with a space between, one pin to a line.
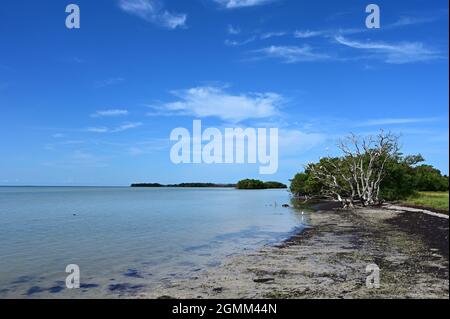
pixel 133 273
pixel 125 288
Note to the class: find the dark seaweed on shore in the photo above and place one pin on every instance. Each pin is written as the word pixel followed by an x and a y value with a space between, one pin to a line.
pixel 432 230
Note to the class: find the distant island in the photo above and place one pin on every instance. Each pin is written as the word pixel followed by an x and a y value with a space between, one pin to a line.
pixel 257 184
pixel 243 184
pixel 186 185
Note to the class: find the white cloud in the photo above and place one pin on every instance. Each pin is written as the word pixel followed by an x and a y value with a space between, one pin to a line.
pixel 428 17
pixel 291 54
pixel 211 101
pixel 127 126
pixel 401 22
pixel 97 129
pixel 327 33
pixel 400 53
pixel 269 35
pixel 120 128
pixel 395 121
pixel 234 43
pixel 233 4
pixel 308 34
pixel 152 11
pixel 110 113
pixel 406 21
pixel 233 30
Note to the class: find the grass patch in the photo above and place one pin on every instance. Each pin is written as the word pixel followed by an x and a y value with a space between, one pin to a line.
pixel 434 200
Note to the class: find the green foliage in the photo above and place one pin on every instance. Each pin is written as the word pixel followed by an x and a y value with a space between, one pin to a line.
pixel 184 185
pixel 274 185
pixel 257 184
pixel 428 178
pixel 403 178
pixel 147 185
pixel 304 185
pixel 398 182
pixel 250 184
pixel 299 184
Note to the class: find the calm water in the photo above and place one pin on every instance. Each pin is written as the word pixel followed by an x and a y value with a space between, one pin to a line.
pixel 126 240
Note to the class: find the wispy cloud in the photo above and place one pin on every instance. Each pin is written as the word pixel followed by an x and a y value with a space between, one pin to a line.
pixel 291 54
pixel 299 34
pixel 212 101
pixel 421 18
pixel 407 21
pixel 305 34
pixel 233 4
pixel 255 37
pixel 108 82
pixel 399 53
pixel 333 32
pixel 327 33
pixel 396 121
pixel 97 129
pixel 233 30
pixel 120 128
pixel 77 60
pixel 110 113
pixel 74 60
pixel 236 43
pixel 153 12
pixel 127 126
pixel 274 34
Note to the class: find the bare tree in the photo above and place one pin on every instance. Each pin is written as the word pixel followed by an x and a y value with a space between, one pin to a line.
pixel 357 175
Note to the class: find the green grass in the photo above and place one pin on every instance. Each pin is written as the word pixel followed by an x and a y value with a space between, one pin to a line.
pixel 434 200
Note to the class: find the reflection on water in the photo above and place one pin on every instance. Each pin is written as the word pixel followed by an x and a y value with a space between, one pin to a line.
pixel 126 240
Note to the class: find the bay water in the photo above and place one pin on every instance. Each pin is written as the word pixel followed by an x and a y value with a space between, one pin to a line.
pixel 128 240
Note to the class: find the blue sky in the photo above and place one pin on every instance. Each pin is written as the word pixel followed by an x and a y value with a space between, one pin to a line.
pixel 95 106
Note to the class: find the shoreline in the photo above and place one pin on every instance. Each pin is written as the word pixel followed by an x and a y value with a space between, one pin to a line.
pixel 328 259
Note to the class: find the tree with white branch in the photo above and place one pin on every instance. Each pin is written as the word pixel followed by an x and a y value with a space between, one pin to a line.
pixel 355 178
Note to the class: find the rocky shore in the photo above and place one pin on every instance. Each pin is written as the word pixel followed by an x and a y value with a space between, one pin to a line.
pixel 329 260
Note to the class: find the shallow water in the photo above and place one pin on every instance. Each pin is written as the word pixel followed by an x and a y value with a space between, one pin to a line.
pixel 127 240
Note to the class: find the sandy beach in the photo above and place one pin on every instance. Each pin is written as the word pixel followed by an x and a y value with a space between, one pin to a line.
pixel 329 259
